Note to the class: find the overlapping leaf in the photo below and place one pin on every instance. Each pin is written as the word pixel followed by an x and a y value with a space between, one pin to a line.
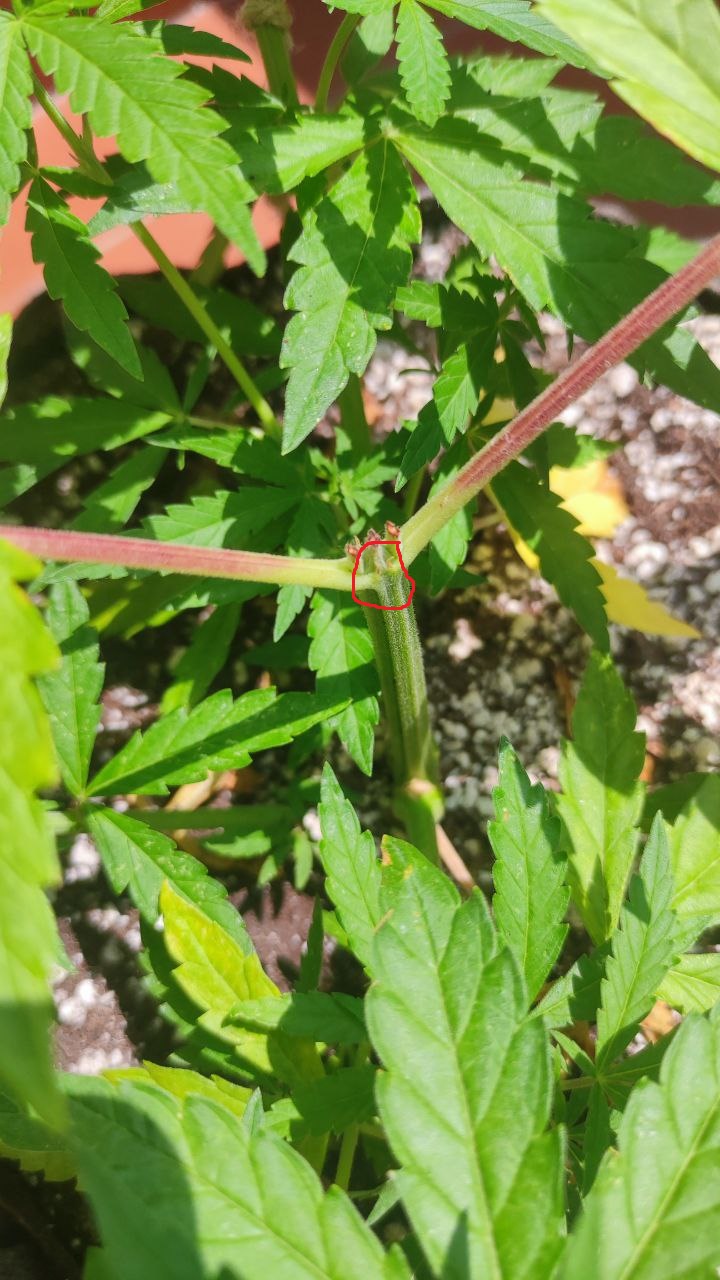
pixel 351 866
pixel 565 555
pixel 466 1091
pixel 664 58
pixel 353 254
pixel 601 800
pixel 643 949
pixel 654 1210
pixel 530 896
pixel 695 857
pixel 219 733
pixel 341 653
pixel 224 1200
pixel 127 88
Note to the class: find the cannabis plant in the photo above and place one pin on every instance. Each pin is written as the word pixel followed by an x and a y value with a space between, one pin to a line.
pixel 483 1105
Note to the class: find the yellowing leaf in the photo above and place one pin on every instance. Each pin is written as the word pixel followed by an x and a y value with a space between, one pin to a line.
pixel 629 604
pixel 593 495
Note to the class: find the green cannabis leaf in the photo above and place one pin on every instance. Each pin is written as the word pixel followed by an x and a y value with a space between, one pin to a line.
pixel 115 75
pixel 351 865
pixel 643 949
pixel 353 254
pixel 663 60
pixel 61 242
pixel 565 555
pixel 71 693
pixel 530 897
pixel 643 1215
pixel 15 109
pixel 601 798
pixel 341 653
pixel 423 63
pixel 466 1076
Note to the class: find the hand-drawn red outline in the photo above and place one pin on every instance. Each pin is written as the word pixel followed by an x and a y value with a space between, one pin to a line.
pixel 382 542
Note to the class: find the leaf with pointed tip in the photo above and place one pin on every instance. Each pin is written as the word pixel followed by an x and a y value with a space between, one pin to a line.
pixel 530 896
pixel 551 532
pixel 333 1103
pixel 139 860
pixel 312 533
pixel 15 109
pixel 220 733
pixel 341 653
pixel 71 694
pixel 654 1210
pixel 589 272
pixel 121 80
pixel 643 949
pixel 466 1089
pixel 109 507
pixel 351 866
pixel 226 1201
pixel 423 62
pixel 61 242
pixel 204 657
pixel 601 800
pixel 516 20
pixel 214 972
pixel 181 1083
pixel 353 254
pixel 220 519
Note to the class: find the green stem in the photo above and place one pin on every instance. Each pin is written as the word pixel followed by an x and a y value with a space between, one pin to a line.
pixel 334 53
pixel 177 557
pixel 352 418
pixel 635 328
pixel 413 756
pixel 578 1082
pixel 348 1147
pixel 201 317
pixel 275 52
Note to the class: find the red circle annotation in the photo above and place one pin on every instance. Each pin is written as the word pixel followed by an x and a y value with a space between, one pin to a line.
pixel 382 542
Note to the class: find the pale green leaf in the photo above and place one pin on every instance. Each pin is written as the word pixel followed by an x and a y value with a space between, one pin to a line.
pixel 341 653
pixel 664 57
pixel 181 1083
pixel 565 556
pixel 15 109
pixel 695 857
pixel 466 1089
pixel 353 254
pixel 125 85
pixel 222 518
pixel 6 329
pixel 351 865
pixel 530 896
pixel 71 694
pixel 424 69
pixel 601 800
pixel 220 733
pixel 643 949
pixel 216 973
pixel 693 983
pixel 29 945
pixel 654 1211
pixel 61 242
